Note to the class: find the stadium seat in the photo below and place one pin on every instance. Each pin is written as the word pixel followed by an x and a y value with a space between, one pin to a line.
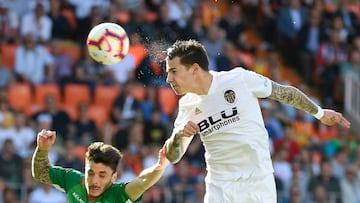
pixel 71 111
pixel 138 92
pixel 98 114
pixel 74 51
pixel 105 96
pixel 43 90
pixel 19 95
pixel 168 99
pixel 8 52
pixel 76 93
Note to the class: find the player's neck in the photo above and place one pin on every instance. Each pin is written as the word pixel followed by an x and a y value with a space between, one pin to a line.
pixel 203 84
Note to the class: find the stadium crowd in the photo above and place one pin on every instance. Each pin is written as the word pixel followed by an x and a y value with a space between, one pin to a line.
pixel 48 81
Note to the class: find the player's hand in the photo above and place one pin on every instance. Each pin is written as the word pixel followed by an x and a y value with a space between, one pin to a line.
pixel 332 118
pixel 163 161
pixel 190 129
pixel 45 139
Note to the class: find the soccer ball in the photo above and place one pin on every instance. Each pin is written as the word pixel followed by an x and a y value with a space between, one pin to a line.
pixel 107 43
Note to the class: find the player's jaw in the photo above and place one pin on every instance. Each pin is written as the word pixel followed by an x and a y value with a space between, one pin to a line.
pixel 95 191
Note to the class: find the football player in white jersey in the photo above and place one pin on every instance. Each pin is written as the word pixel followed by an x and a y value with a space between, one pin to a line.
pixel 223 109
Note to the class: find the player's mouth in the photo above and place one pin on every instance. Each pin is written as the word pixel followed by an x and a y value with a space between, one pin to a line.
pixel 94 188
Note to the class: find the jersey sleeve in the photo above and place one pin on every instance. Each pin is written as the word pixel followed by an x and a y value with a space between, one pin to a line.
pixel 258 84
pixel 64 178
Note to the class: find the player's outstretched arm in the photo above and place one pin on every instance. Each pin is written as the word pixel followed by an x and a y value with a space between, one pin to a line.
pixel 40 165
pixel 179 141
pixel 293 96
pixel 147 177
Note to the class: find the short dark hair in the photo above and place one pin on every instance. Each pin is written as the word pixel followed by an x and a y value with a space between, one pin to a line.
pixel 189 52
pixel 106 154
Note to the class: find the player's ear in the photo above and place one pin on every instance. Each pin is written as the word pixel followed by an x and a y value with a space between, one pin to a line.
pixel 114 177
pixel 196 67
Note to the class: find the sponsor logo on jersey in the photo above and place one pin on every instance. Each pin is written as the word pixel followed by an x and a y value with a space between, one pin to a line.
pixel 230 96
pixel 197 111
pixel 217 121
pixel 77 197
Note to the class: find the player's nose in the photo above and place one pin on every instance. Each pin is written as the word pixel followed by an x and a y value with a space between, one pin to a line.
pixel 169 78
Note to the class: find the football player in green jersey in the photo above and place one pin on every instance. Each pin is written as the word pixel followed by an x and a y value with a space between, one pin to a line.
pixel 97 185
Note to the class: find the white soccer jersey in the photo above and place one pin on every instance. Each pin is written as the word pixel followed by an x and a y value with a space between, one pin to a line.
pixel 231 124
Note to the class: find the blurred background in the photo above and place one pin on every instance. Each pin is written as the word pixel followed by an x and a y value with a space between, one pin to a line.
pixel 47 80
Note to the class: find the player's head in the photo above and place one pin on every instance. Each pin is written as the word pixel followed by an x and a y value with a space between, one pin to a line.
pixel 189 52
pixel 184 63
pixel 101 162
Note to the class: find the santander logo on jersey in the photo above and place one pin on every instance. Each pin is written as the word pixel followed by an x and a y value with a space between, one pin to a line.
pixel 219 120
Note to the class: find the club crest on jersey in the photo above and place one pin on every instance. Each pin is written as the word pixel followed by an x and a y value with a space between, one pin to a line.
pixel 230 96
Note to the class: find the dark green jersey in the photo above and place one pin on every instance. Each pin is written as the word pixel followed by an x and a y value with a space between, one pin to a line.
pixel 72 182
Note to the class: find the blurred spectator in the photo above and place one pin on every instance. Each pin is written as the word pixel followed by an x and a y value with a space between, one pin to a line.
pixel 11 164
pixel 7 116
pixel 61 27
pixel 288 142
pixel 47 194
pixel 134 152
pixel 84 126
pixel 150 103
pixel 37 23
pixel 9 195
pixel 22 135
pixel 299 181
pixel 182 183
pixel 62 61
pixel 350 185
pixel 124 174
pixel 168 30
pixel 194 155
pixel 9 22
pixel 199 193
pixel 180 12
pixel 195 28
pixel 328 181
pixel 266 20
pixel 282 169
pixel 294 195
pixel 339 162
pixel 338 25
pixel 320 195
pixel 330 55
pixel 125 107
pixel 33 63
pixel 88 21
pixel 290 20
pixel 349 67
pixel 68 157
pixel 79 76
pixel 348 18
pixel 311 36
pixel 232 23
pixel 272 124
pixel 228 59
pixel 304 129
pixel 28 183
pixel 59 119
pixel 155 130
pixel 213 43
pixel 95 72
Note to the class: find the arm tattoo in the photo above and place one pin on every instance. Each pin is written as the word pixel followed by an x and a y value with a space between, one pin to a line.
pixel 292 96
pixel 175 149
pixel 41 166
